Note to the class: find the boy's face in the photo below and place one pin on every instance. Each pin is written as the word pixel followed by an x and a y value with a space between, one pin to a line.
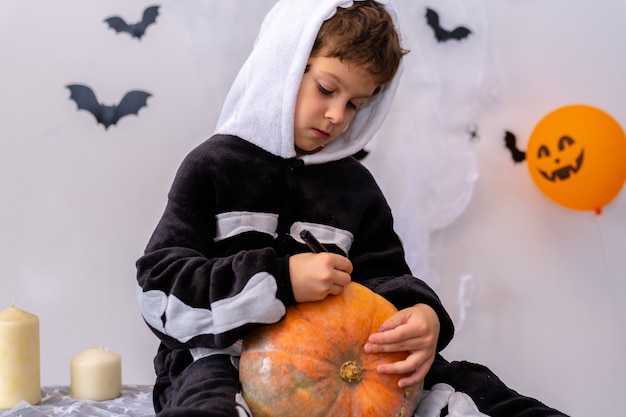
pixel 330 94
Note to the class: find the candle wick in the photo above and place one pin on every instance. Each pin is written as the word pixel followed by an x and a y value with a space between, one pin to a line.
pixel 14 303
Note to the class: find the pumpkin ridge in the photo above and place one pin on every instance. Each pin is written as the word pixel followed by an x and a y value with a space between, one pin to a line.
pixel 311 358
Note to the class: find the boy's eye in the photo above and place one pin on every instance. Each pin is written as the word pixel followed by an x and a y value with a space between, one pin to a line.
pixel 324 91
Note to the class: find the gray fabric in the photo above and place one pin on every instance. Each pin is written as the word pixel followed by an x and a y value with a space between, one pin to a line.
pixel 135 401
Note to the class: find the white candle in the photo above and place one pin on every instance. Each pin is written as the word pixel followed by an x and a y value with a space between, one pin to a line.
pixel 96 374
pixel 19 358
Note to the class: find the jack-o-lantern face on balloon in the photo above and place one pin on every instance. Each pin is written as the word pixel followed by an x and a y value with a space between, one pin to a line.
pixel 576 155
pixel 564 160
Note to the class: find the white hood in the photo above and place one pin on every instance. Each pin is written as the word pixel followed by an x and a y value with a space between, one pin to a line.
pixel 261 103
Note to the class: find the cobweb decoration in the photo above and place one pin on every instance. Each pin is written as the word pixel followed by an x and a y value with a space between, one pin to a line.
pixel 423 157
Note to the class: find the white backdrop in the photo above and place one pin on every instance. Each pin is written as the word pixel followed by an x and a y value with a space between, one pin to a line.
pixel 537 290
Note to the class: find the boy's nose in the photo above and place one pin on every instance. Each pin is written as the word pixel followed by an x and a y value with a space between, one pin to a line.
pixel 335 114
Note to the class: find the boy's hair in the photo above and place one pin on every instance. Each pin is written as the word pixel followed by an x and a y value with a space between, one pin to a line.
pixel 364 35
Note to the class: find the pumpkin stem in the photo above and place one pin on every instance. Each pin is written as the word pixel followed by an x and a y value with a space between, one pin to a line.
pixel 350 372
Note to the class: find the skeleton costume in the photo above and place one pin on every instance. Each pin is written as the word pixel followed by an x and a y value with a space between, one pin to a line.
pixel 217 264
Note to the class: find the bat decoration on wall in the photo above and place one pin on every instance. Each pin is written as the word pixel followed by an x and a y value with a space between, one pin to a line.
pixel 136 30
pixel 441 34
pixel 86 99
pixel 510 142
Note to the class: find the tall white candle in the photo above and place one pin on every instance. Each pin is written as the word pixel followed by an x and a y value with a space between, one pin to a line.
pixel 19 358
pixel 96 374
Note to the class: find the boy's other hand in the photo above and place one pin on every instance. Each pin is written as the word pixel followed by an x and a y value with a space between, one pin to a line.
pixel 414 330
pixel 317 275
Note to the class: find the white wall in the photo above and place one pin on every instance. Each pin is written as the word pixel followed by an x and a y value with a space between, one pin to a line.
pixel 547 314
pixel 79 203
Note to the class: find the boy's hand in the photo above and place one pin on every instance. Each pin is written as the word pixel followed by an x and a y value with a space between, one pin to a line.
pixel 316 275
pixel 414 330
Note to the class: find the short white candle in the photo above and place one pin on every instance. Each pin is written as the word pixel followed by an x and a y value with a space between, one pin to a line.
pixel 96 374
pixel 19 358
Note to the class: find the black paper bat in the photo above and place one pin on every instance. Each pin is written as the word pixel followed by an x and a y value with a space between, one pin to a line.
pixel 510 142
pixel 136 30
pixel 442 35
pixel 85 99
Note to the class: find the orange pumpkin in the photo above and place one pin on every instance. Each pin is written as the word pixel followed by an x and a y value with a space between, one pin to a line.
pixel 312 363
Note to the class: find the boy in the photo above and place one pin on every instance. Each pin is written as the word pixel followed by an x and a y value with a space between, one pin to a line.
pixel 227 257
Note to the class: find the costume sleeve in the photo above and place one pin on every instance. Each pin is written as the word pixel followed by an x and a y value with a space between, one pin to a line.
pixel 192 291
pixel 379 263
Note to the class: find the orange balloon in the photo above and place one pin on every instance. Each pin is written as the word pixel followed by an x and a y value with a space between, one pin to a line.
pixel 576 155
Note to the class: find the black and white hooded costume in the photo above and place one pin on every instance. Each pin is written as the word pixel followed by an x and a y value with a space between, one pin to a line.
pixel 216 265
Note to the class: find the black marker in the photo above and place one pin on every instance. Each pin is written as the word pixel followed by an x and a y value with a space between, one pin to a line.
pixel 312 242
